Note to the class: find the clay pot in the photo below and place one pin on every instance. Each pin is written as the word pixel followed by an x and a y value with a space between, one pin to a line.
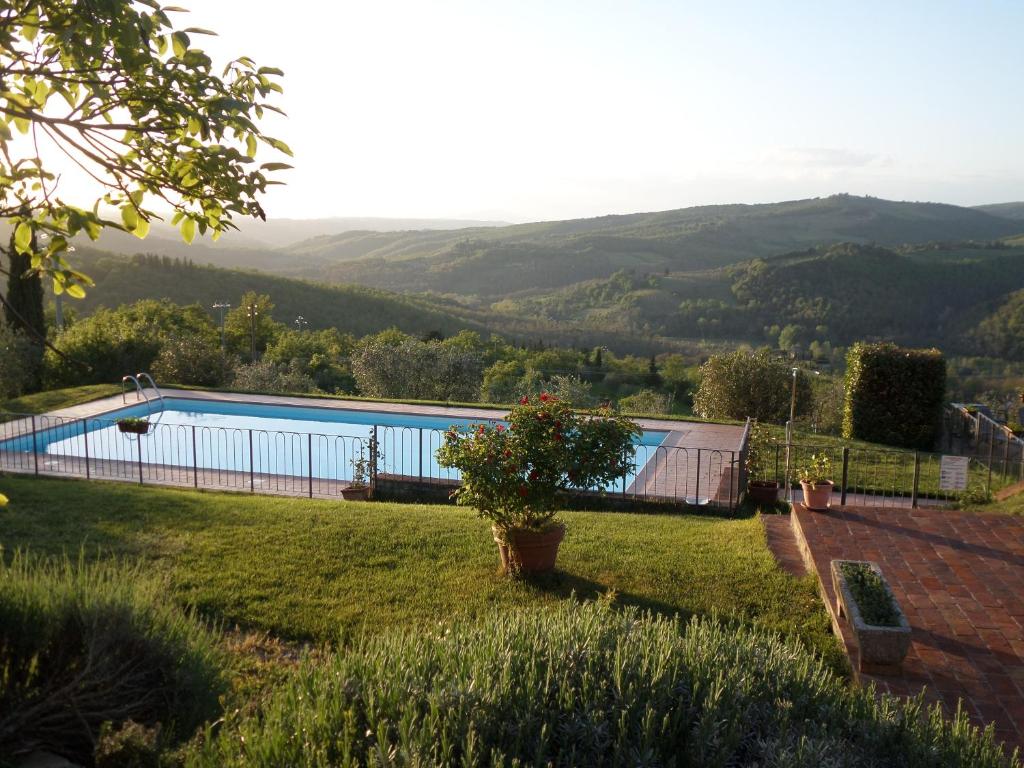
pixel 763 491
pixel 355 493
pixel 525 551
pixel 817 496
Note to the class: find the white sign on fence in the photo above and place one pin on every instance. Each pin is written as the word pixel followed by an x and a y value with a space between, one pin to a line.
pixel 953 473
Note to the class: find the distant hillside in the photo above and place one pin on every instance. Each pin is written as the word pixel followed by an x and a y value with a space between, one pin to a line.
pixel 487 264
pixel 1014 211
pixel 352 309
pixel 530 257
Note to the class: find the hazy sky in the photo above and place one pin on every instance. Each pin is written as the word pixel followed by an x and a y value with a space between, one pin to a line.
pixel 538 110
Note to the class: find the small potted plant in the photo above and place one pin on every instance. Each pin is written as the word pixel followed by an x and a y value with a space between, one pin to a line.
pixel 358 488
pixel 882 631
pixel 816 482
pixel 760 489
pixel 133 425
pixel 514 473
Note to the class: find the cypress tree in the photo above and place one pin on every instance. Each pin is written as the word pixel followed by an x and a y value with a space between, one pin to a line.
pixel 24 307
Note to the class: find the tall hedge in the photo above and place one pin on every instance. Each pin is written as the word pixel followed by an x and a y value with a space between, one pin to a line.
pixel 894 395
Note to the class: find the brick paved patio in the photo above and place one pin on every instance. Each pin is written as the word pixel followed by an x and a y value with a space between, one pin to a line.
pixel 959 578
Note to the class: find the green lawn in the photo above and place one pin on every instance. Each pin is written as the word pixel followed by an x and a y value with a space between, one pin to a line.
pixel 41 402
pixel 308 569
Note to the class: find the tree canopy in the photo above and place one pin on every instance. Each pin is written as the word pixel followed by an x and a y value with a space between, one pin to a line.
pixel 137 107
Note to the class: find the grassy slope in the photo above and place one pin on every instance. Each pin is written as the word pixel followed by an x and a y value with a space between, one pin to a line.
pixel 41 402
pixel 307 569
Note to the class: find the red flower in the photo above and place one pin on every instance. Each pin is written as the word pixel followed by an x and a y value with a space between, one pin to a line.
pixel 507 453
pixel 523 490
pixel 533 474
pixel 544 397
pixel 524 400
pixel 480 430
pixel 500 427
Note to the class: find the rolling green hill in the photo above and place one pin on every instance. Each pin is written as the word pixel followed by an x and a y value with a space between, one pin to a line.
pixel 1014 211
pixel 352 309
pixel 487 264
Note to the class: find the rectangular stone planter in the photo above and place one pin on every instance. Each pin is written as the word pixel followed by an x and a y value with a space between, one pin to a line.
pixel 882 649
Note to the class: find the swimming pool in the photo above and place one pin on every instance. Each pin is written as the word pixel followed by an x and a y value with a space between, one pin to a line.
pixel 254 444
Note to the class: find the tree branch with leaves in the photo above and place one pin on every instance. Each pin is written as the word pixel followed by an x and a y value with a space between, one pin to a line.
pixel 115 87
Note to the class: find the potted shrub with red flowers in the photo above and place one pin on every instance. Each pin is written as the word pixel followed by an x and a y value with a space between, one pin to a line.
pixel 513 473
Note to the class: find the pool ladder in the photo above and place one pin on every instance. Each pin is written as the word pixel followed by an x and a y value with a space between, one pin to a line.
pixel 140 392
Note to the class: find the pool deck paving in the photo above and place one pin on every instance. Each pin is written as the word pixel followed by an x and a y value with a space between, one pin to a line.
pixel 959 578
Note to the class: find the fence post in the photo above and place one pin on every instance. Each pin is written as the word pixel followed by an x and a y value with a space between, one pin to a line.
pixel 1006 452
pixel 35 449
pixel 309 451
pixel 138 444
pixel 373 462
pixel 991 451
pixel 696 490
pixel 195 460
pixel 846 475
pixel 252 467
pixel 917 479
pixel 85 437
pixel 420 451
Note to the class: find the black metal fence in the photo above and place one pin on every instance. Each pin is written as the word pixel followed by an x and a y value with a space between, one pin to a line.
pixel 318 465
pixel 879 477
pixel 969 432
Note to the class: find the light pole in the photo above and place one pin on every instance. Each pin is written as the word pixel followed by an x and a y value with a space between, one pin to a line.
pixel 789 430
pixel 222 305
pixel 253 311
pixel 300 323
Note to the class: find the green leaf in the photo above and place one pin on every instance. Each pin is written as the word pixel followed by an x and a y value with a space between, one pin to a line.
pixel 276 166
pixel 23 237
pixel 141 229
pixel 75 291
pixel 250 145
pixel 188 230
pixel 179 40
pixel 130 217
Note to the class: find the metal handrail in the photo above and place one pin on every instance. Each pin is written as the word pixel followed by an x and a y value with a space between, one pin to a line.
pixel 139 395
pixel 152 383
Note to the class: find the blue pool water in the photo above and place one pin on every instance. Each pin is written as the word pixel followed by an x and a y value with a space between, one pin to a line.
pixel 276 440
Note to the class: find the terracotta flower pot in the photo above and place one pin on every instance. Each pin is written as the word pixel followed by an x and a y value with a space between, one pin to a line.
pixel 763 491
pixel 355 493
pixel 817 496
pixel 525 551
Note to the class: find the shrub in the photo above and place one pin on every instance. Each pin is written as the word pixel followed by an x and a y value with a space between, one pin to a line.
pixel 585 685
pixel 754 384
pixel 21 362
pixel 894 395
pixel 645 401
pixel 416 369
pixel 83 644
pixel 193 360
pixel 817 469
pixel 265 376
pixel 512 476
pixel 760 453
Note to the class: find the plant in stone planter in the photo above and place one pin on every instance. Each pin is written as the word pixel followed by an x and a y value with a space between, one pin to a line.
pixel 133 425
pixel 865 598
pixel 816 481
pixel 513 473
pixel 762 488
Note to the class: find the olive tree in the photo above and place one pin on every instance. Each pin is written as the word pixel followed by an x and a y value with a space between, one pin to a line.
pixel 140 109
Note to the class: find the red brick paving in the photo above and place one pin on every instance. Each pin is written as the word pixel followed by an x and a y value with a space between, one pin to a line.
pixel 782 543
pixel 959 577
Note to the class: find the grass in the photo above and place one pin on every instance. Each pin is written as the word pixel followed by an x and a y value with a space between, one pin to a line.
pixel 41 402
pixel 318 570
